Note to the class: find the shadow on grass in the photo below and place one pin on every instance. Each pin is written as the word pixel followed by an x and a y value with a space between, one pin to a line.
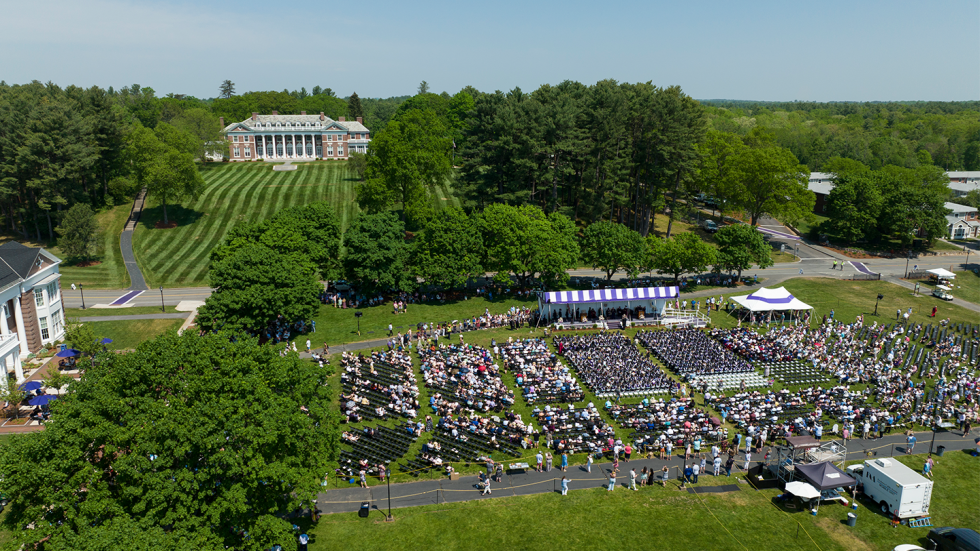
pixel 183 216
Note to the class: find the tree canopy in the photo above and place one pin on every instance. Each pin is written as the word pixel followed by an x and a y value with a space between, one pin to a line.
pixel 679 254
pixel 377 257
pixel 449 252
pixel 202 441
pixel 613 247
pixel 740 246
pixel 78 232
pixel 523 242
pixel 255 285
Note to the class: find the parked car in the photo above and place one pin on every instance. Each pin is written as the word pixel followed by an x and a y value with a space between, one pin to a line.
pixel 947 538
pixel 340 285
pixel 710 226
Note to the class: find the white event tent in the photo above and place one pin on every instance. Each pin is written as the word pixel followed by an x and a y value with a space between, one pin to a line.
pixel 942 274
pixel 769 300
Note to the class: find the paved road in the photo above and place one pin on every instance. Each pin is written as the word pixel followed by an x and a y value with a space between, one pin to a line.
pixel 73 298
pixel 348 497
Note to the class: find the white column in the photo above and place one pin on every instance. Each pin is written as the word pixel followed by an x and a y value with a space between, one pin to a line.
pixel 21 331
pixel 304 145
pixel 3 372
pixel 292 139
pixel 3 320
pixel 18 368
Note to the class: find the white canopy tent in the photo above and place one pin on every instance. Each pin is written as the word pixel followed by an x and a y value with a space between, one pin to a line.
pixel 942 274
pixel 769 300
pixel 802 490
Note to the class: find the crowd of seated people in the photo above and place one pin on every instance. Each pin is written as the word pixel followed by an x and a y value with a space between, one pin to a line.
pixel 474 438
pixel 282 330
pixel 611 363
pixel 691 352
pixel 574 429
pixel 464 377
pixel 778 345
pixel 539 373
pixel 378 386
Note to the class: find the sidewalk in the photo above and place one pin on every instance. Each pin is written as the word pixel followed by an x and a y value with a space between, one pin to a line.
pixel 349 497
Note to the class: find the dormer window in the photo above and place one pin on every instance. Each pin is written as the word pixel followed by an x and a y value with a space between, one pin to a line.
pixel 278 125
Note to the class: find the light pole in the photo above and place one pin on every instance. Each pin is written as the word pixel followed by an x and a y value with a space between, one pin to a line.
pixel 81 289
pixel 388 478
pixel 358 316
pixel 162 307
pixel 880 296
pixel 907 258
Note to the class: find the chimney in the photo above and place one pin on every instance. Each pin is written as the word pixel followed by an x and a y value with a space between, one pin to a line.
pixel 255 116
pixel 360 120
pixel 341 119
pixel 302 112
pixel 275 112
pixel 322 118
pixel 221 120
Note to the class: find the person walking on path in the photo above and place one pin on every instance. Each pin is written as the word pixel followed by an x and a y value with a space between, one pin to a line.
pixel 390 330
pixel 835 264
pixel 717 465
pixel 695 471
pixel 729 464
pixel 564 461
pixel 588 464
pixel 910 440
pixel 564 486
pixel 664 475
pixel 486 487
pixel 612 480
pixel 628 450
pixel 643 477
pixel 633 480
pixel 540 459
pixel 966 427
pixel 748 460
pixel 549 461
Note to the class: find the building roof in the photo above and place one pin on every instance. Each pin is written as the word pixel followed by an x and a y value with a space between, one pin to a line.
pixel 964 174
pixel 250 124
pixel 823 188
pixel 16 261
pixel 956 207
pixel 821 176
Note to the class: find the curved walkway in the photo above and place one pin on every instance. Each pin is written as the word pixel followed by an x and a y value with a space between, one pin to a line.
pixel 137 282
pixel 348 498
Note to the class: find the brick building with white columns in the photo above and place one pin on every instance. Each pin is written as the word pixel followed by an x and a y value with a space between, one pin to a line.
pixel 295 137
pixel 32 315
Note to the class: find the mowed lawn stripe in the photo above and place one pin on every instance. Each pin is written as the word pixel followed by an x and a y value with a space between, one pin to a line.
pixel 196 269
pixel 165 248
pixel 185 243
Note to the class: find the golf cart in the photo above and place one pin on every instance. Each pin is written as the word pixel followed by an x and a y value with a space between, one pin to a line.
pixel 942 291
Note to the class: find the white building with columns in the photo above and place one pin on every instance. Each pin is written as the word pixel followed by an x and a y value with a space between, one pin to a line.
pixel 295 137
pixel 31 311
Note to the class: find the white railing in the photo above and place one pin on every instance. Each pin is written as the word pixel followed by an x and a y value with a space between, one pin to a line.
pixel 673 316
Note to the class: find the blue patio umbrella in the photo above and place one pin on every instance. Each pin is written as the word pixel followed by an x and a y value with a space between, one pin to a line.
pixel 67 353
pixel 105 341
pixel 30 385
pixel 42 400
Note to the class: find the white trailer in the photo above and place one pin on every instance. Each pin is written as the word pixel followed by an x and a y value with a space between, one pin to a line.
pixel 899 490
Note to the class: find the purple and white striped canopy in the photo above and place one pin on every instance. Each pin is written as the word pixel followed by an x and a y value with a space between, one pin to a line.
pixel 612 295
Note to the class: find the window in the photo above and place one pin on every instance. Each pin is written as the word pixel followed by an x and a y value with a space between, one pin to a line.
pixel 236 152
pixel 43 322
pixel 53 295
pixel 39 297
pixel 56 322
pixel 329 151
pixel 234 139
pixel 340 150
pixel 248 151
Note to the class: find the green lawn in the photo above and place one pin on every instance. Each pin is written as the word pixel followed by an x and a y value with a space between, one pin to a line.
pixel 338 326
pixel 127 334
pixel 131 311
pixel 848 299
pixel 652 518
pixel 237 192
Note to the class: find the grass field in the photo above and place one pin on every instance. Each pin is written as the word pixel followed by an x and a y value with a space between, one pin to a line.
pixel 236 192
pixel 131 311
pixel 127 334
pixel 654 518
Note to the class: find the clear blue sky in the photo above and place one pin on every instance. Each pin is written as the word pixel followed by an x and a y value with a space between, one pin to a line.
pixel 859 50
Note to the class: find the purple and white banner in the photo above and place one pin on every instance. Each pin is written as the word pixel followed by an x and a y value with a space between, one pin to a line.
pixel 611 295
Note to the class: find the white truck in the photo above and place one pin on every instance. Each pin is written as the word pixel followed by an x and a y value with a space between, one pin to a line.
pixel 899 490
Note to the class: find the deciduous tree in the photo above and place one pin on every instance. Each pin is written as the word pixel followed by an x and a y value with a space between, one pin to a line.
pixel 208 439
pixel 612 247
pixel 740 246
pixel 78 232
pixel 769 180
pixel 377 257
pixel 449 251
